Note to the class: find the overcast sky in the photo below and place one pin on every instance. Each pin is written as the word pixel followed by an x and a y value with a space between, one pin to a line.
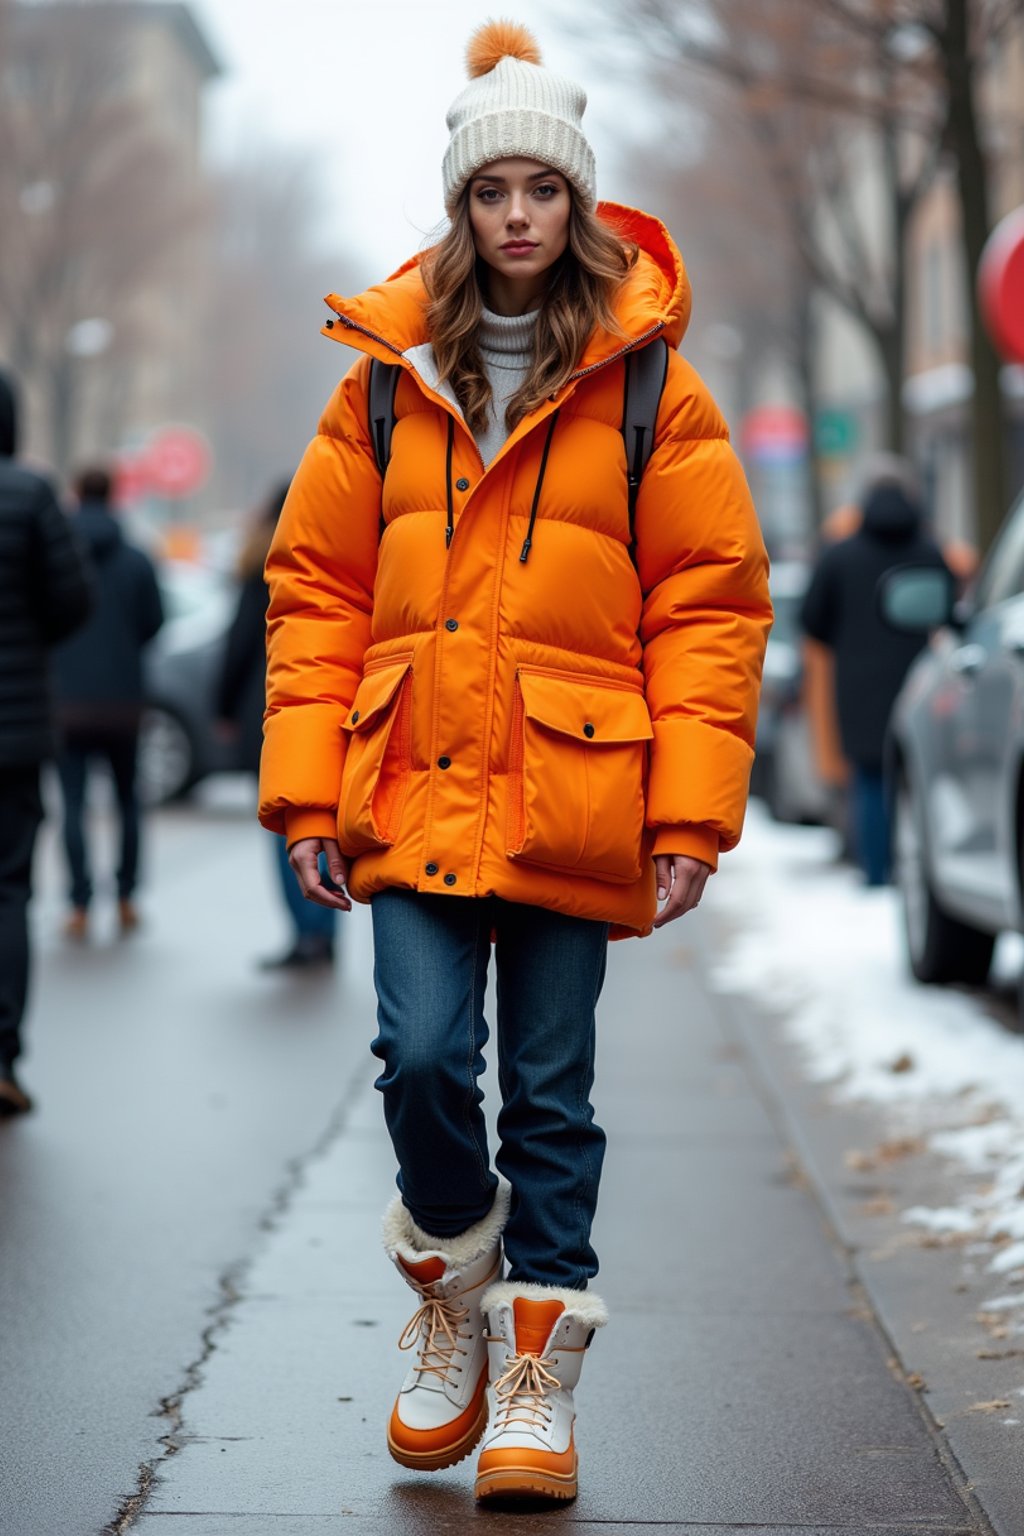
pixel 364 88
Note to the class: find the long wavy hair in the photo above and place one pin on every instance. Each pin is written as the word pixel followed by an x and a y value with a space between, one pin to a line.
pixel 579 298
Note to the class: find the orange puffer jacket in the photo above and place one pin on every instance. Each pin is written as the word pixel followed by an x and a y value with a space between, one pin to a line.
pixel 493 696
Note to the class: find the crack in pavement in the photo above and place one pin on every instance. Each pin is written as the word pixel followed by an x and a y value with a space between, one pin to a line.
pixel 230 1284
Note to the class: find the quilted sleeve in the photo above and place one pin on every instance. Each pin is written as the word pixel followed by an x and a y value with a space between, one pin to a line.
pixel 320 572
pixel 706 616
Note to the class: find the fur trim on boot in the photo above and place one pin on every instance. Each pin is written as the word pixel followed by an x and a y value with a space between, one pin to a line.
pixel 404 1239
pixel 584 1306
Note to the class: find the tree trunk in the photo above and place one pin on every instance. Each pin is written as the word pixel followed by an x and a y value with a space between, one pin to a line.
pixel 894 343
pixel 62 412
pixel 888 340
pixel 805 344
pixel 987 425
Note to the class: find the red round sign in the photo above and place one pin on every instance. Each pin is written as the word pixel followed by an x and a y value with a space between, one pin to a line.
pixel 775 433
pixel 130 479
pixel 1001 286
pixel 177 462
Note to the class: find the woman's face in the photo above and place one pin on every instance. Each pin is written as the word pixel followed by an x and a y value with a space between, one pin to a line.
pixel 519 214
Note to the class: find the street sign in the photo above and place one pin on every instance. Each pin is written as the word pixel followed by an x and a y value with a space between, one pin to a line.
pixel 835 434
pixel 1001 286
pixel 176 462
pixel 775 434
pixel 130 479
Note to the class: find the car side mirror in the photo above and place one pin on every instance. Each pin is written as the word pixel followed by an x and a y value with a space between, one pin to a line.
pixel 915 599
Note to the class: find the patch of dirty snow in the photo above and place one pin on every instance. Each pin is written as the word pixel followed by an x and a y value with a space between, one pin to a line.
pixel 805 939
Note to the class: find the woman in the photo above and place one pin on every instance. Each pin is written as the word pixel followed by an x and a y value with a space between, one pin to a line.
pixel 505 722
pixel 240 702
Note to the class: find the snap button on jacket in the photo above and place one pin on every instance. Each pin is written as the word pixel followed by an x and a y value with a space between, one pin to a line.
pixel 591 707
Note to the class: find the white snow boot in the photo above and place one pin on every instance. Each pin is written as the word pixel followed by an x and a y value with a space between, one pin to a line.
pixel 536 1338
pixel 441 1411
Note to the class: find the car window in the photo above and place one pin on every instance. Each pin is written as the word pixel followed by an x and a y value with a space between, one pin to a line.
pixel 187 591
pixel 786 626
pixel 1002 575
pixel 788 582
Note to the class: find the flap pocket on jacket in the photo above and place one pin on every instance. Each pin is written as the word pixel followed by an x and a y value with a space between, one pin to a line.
pixel 587 711
pixel 577 771
pixel 374 695
pixel 378 761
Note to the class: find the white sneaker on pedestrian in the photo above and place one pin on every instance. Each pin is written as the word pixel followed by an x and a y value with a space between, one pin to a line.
pixel 441 1411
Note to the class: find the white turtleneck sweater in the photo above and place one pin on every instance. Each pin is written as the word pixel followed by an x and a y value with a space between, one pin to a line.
pixel 506 348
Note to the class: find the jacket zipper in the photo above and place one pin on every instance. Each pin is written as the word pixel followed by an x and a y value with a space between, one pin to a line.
pixel 631 346
pixel 352 326
pixel 581 373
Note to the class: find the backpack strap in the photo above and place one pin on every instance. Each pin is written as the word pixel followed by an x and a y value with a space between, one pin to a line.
pixel 646 372
pixel 383 383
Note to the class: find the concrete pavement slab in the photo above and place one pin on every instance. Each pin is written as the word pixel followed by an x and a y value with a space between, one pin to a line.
pixel 427 1518
pixel 927 1293
pixel 175 1086
pixel 741 1384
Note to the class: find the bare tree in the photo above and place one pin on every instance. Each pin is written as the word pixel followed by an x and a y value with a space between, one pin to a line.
pixel 92 206
pixel 826 85
pixel 267 369
pixel 955 41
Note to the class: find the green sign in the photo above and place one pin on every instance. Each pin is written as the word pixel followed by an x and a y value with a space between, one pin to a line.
pixel 835 434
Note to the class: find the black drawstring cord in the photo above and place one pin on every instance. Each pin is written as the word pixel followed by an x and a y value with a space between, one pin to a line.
pixel 450 525
pixel 524 553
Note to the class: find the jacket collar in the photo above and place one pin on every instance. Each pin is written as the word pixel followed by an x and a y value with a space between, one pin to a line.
pixel 389 319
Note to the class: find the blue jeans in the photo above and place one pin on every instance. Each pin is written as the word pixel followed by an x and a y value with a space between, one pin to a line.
pixel 872 824
pixel 430 971
pixel 308 918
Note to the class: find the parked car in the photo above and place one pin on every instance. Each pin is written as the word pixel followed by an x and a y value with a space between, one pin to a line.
pixel 955 762
pixel 784 773
pixel 178 744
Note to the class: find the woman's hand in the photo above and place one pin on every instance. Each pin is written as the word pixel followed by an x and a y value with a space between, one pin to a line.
pixel 304 858
pixel 682 880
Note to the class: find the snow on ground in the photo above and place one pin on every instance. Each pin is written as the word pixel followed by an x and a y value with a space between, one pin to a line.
pixel 806 940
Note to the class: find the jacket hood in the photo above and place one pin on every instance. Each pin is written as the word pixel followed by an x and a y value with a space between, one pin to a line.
pixel 100 530
pixel 890 513
pixel 8 418
pixel 391 316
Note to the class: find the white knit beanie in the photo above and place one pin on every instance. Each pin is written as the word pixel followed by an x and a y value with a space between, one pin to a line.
pixel 513 107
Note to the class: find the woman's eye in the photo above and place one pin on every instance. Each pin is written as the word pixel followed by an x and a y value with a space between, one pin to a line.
pixel 547 189
pixel 488 194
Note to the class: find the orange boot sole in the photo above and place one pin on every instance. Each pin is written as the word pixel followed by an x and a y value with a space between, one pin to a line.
pixel 426 1450
pixel 525 1481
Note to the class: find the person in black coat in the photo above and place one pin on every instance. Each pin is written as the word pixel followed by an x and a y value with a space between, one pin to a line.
pixel 100 693
pixel 841 610
pixel 45 594
pixel 241 701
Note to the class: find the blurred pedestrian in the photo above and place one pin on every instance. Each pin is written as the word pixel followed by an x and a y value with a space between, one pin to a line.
pixel 871 659
pixel 510 712
pixel 241 700
pixel 100 696
pixel 44 596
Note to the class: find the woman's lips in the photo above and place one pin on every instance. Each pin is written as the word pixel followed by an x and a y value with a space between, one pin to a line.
pixel 519 247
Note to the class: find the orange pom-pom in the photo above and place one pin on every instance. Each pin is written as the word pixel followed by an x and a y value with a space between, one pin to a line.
pixel 497 40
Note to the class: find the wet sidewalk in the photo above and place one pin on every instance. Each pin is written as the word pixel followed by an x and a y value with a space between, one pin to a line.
pixel 743 1383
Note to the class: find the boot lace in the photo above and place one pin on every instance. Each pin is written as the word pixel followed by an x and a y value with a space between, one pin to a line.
pixel 522 1391
pixel 437 1323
